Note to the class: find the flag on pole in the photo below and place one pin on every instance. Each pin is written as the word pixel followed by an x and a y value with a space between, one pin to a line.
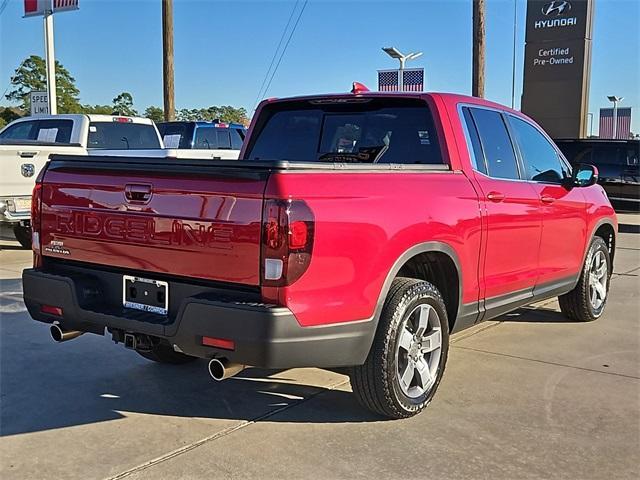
pixel 623 128
pixel 63 5
pixel 412 80
pixel 40 7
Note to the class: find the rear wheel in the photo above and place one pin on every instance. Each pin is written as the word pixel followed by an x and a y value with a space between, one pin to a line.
pixel 409 353
pixel 23 235
pixel 164 353
pixel 587 300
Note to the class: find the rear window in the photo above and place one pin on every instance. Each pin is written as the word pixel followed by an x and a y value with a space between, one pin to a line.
pixel 372 131
pixel 176 135
pixel 122 135
pixel 211 138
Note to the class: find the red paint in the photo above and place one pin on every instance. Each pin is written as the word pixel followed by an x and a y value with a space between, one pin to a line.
pixel 343 231
pixel 219 343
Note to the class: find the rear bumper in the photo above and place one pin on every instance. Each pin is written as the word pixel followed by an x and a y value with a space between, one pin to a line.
pixel 265 336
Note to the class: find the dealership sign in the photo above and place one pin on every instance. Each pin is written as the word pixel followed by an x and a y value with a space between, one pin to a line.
pixel 557 65
pixel 40 7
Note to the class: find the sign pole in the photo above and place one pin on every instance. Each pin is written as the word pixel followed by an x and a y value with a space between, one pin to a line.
pixel 51 62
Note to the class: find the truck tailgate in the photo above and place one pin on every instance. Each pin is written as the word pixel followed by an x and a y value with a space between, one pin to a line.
pixel 186 218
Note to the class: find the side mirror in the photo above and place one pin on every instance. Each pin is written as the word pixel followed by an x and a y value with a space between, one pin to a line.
pixel 585 175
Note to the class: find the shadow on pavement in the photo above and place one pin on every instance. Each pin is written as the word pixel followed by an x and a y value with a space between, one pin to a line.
pixel 535 315
pixel 44 385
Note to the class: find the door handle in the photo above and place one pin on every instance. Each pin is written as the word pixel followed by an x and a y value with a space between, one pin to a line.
pixel 495 196
pixel 137 193
pixel 28 154
pixel 547 199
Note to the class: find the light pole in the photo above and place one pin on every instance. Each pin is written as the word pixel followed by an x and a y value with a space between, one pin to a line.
pixel 590 117
pixel 50 62
pixel 394 53
pixel 615 100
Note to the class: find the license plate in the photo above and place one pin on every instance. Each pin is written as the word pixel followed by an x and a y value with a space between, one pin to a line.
pixel 145 294
pixel 22 204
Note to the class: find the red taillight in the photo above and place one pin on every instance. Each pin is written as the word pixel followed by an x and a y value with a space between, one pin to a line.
pixel 219 343
pixel 51 310
pixel 123 120
pixel 288 227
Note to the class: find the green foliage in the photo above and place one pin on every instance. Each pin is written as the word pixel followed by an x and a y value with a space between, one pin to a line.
pixel 224 113
pixel 97 109
pixel 123 105
pixel 31 76
pixel 9 114
pixel 154 113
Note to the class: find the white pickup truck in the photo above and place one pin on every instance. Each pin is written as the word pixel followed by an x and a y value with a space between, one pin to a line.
pixel 27 143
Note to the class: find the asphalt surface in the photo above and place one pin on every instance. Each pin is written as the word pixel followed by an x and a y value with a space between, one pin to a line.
pixel 529 396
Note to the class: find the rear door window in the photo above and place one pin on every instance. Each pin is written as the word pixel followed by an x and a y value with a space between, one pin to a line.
pixel 372 131
pixel 21 131
pixel 236 138
pixel 496 145
pixel 224 140
pixel 58 131
pixel 122 135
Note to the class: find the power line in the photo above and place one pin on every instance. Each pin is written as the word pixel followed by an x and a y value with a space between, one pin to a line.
pixel 284 50
pixel 275 54
pixel 3 6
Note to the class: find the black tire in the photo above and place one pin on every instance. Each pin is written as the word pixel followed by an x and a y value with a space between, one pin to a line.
pixel 376 383
pixel 164 353
pixel 577 304
pixel 23 235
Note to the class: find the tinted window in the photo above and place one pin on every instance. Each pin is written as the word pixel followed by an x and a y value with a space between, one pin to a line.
pixel 175 135
pixel 477 157
pixel 122 135
pixel 576 152
pixel 206 138
pixel 370 132
pixel 20 131
pixel 236 139
pixel 496 145
pixel 541 161
pixel 55 131
pixel 224 141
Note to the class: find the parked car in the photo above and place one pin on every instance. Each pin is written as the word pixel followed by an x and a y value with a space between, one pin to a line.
pixel 356 230
pixel 26 143
pixel 215 140
pixel 618 163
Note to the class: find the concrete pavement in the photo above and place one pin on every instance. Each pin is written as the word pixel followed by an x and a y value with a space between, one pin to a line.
pixel 529 396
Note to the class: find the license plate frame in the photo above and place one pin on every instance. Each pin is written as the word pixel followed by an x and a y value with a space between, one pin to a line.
pixel 22 204
pixel 148 295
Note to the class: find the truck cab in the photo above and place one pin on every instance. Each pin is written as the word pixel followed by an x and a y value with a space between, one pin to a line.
pixel 215 139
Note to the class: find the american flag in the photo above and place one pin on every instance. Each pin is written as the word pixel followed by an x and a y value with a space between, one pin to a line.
pixel 61 5
pixel 624 123
pixel 388 80
pixel 413 80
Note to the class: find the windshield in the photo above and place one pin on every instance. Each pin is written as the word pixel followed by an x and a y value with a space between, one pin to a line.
pixel 377 131
pixel 122 135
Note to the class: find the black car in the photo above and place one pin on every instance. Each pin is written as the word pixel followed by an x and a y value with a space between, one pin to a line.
pixel 618 163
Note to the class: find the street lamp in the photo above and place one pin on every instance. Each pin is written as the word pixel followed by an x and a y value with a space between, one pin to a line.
pixel 615 100
pixel 395 53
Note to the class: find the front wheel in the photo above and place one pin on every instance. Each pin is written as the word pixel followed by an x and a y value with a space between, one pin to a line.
pixel 587 300
pixel 23 235
pixel 408 356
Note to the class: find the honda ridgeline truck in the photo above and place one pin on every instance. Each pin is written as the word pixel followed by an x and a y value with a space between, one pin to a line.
pixel 356 230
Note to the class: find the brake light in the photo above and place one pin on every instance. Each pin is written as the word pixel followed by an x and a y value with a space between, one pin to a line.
pixel 123 120
pixel 221 125
pixel 287 241
pixel 36 199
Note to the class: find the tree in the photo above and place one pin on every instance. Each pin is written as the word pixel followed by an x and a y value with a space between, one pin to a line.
pixel 97 109
pixel 225 113
pixel 123 105
pixel 154 113
pixel 31 76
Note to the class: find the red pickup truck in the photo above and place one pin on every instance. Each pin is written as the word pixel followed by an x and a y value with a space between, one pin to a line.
pixel 357 230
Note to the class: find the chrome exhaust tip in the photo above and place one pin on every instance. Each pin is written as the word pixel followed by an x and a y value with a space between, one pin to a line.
pixel 60 335
pixel 221 369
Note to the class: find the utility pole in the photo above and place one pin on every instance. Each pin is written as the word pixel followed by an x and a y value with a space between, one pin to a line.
pixel 50 62
pixel 167 60
pixel 477 88
pixel 613 99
